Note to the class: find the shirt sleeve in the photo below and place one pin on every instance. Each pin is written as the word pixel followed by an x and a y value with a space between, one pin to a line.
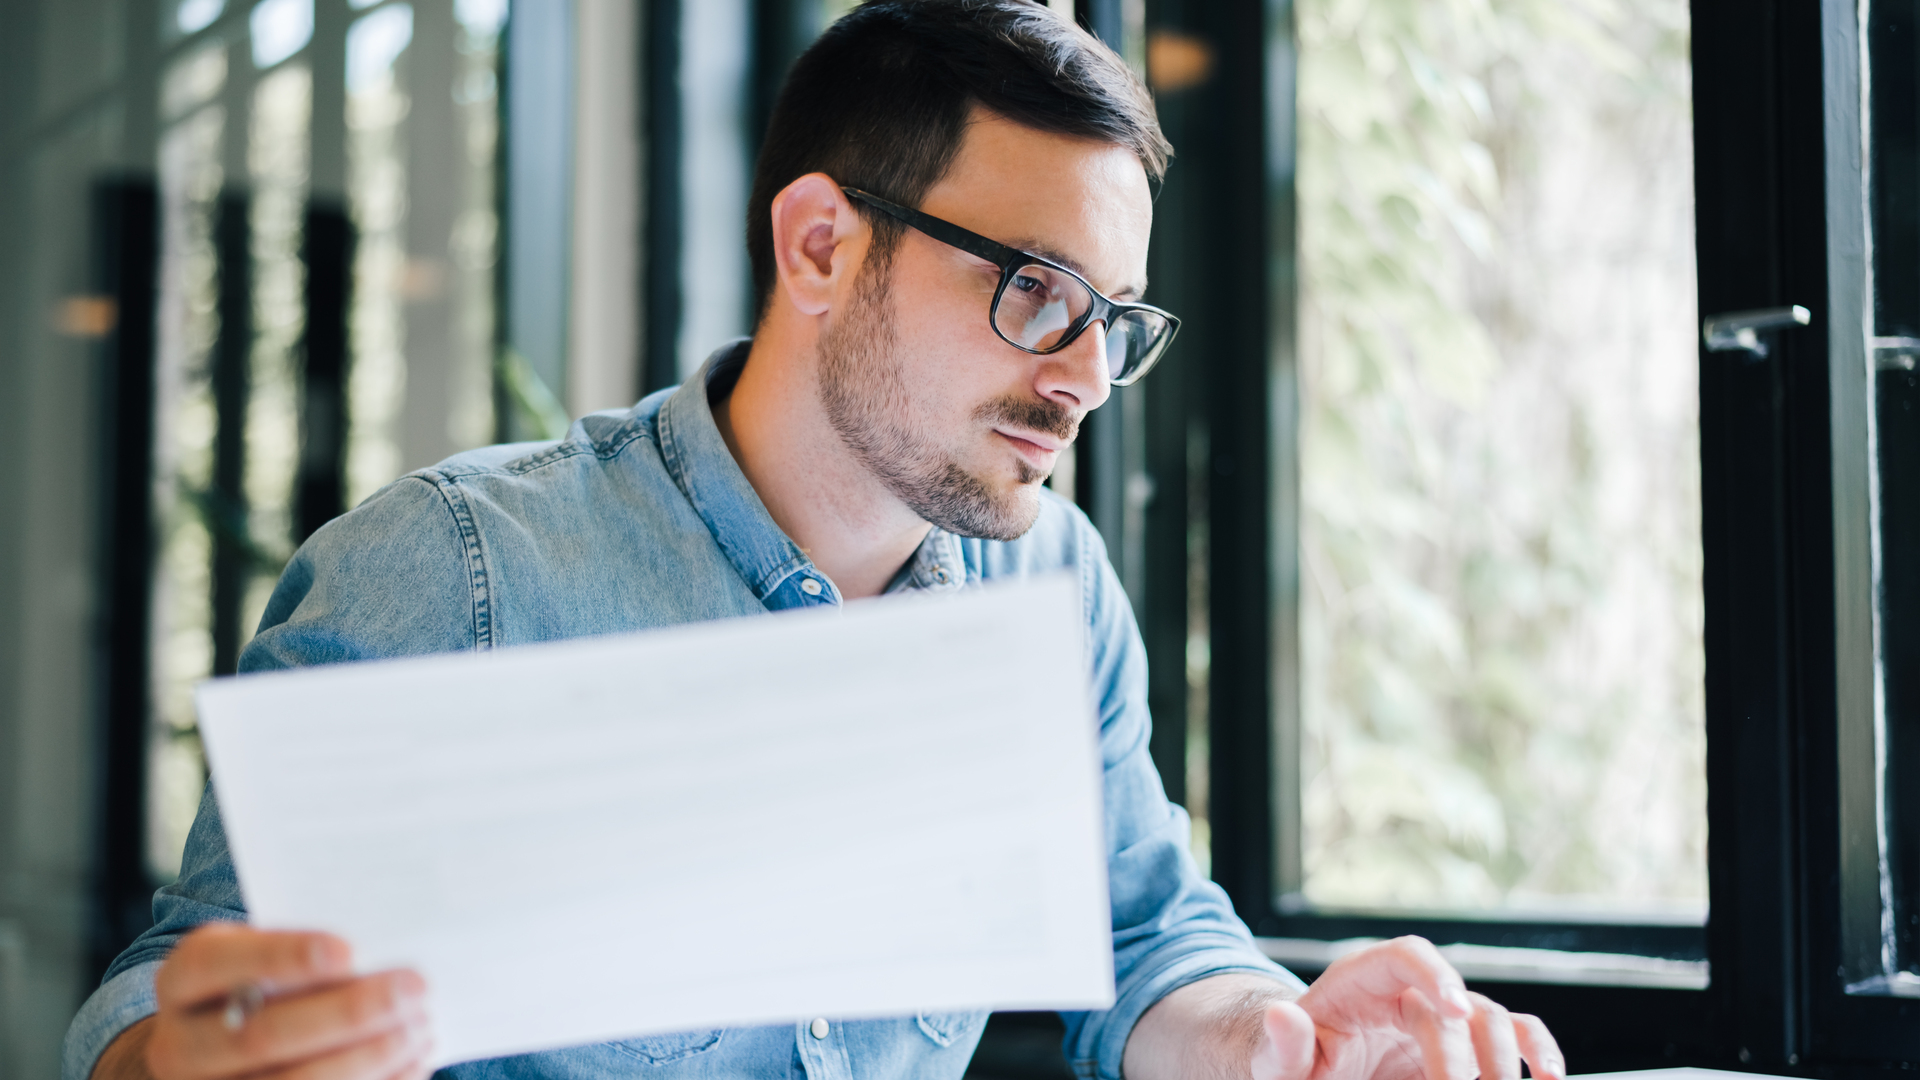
pixel 1171 926
pixel 394 577
pixel 205 891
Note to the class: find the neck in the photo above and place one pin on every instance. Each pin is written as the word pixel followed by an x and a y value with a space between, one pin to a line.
pixel 854 529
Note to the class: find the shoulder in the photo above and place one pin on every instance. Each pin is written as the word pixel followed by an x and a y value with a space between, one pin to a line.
pixel 606 460
pixel 593 440
pixel 416 567
pixel 436 494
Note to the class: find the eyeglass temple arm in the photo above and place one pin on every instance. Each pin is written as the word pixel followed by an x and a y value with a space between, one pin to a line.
pixel 946 232
pixel 991 250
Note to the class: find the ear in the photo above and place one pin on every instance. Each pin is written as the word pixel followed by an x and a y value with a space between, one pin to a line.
pixel 818 240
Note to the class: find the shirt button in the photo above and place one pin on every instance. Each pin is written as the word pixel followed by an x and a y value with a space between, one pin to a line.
pixel 818 1029
pixel 812 588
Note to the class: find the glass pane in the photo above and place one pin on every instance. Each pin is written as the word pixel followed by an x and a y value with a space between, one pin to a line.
pixel 190 178
pixel 422 133
pixel 1502 700
pixel 716 170
pixel 243 407
pixel 277 159
pixel 377 111
pixel 193 16
pixel 1893 41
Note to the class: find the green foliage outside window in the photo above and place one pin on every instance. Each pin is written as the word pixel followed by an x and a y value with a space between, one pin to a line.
pixel 1500 542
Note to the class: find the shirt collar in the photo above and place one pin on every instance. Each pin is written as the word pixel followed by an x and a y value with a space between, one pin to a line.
pixel 697 458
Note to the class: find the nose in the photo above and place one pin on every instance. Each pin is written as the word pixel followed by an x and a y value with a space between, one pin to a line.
pixel 1076 376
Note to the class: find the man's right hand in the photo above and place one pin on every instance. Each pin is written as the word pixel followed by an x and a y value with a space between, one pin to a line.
pixel 314 1021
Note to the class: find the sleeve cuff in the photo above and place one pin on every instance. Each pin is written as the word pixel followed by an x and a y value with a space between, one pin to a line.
pixel 1102 1045
pixel 117 1005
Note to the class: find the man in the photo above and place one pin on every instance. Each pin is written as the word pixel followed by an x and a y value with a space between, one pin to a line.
pixel 949 236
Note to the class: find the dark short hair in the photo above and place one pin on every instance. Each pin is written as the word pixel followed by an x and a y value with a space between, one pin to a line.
pixel 881 100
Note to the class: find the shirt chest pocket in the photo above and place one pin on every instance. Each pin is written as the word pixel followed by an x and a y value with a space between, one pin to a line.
pixel 666 1049
pixel 946 1027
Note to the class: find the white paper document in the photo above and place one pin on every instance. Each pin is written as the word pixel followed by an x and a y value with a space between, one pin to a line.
pixel 842 813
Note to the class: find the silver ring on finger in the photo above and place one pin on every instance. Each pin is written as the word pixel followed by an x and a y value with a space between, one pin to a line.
pixel 242 1002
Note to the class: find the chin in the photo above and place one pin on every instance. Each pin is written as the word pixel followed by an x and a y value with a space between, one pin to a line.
pixel 1017 506
pixel 1023 508
pixel 966 505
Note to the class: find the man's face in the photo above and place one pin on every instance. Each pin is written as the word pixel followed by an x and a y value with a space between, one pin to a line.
pixel 960 425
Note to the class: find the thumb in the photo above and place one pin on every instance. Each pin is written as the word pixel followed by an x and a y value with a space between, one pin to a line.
pixel 1286 1051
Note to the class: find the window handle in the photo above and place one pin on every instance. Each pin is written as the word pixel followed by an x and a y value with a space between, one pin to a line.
pixel 1739 331
pixel 1895 353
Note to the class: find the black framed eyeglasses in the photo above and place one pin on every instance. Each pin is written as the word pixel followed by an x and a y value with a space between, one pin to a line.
pixel 1041 307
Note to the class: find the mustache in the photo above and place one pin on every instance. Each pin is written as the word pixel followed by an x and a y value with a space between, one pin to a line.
pixel 1042 416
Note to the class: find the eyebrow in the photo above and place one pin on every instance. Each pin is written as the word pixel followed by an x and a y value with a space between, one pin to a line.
pixel 1134 291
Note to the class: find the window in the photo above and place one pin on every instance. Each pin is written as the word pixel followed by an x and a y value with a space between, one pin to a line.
pixel 1446 500
pixel 1474 705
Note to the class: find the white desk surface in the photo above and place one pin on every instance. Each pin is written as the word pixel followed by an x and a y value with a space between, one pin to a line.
pixel 1667 1075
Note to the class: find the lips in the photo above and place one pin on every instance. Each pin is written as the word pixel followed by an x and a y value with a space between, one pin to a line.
pixel 1038 451
pixel 1038 441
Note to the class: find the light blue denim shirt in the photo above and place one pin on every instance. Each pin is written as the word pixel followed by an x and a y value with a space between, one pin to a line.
pixel 640 519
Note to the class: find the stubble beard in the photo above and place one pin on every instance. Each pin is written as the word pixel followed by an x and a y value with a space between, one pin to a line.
pixel 867 399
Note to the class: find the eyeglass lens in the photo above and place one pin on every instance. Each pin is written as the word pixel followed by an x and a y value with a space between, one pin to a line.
pixel 1131 342
pixel 1040 304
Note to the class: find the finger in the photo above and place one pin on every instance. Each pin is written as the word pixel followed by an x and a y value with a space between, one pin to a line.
pixel 214 959
pixel 293 1028
pixel 415 1070
pixel 1287 1050
pixel 1382 971
pixel 1538 1048
pixel 419 1067
pixel 1494 1043
pixel 1438 1057
pixel 379 1058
